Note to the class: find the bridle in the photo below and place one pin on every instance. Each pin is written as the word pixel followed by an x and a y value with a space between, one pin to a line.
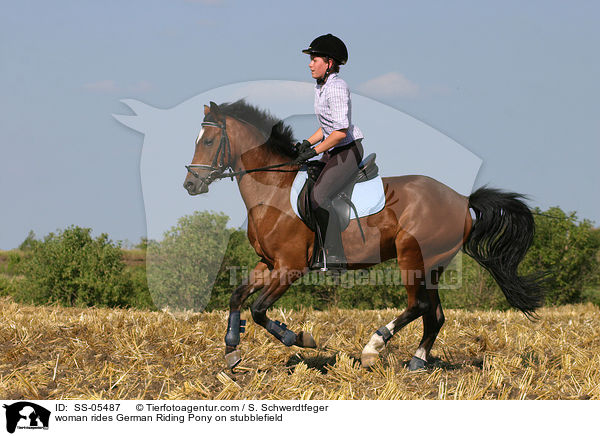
pixel 218 167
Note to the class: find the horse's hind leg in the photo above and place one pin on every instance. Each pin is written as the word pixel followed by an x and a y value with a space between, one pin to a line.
pixel 433 320
pixel 418 304
pixel 410 262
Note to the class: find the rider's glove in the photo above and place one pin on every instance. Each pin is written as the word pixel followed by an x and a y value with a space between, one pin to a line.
pixel 306 155
pixel 301 147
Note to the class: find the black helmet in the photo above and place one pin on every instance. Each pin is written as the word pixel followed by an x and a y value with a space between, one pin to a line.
pixel 329 45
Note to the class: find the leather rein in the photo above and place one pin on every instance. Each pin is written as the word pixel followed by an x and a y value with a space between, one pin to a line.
pixel 218 167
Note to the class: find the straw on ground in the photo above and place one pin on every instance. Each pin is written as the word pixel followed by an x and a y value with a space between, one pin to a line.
pixel 60 353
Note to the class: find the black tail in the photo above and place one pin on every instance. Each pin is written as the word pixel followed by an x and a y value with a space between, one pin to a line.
pixel 501 235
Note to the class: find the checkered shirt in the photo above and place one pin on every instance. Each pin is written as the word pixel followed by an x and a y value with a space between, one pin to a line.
pixel 334 109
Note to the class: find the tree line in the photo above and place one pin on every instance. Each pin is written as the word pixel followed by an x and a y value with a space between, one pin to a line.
pixel 200 261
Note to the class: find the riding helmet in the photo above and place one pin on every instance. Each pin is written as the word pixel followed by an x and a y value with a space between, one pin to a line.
pixel 329 45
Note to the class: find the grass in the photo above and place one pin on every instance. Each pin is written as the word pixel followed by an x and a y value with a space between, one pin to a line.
pixel 66 353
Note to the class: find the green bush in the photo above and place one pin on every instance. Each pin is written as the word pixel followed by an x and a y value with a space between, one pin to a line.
pixel 140 297
pixel 183 266
pixel 73 269
pixel 5 286
pixel 29 243
pixel 568 251
pixel 14 263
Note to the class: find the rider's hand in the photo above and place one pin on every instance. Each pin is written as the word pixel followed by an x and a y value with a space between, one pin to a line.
pixel 306 155
pixel 303 146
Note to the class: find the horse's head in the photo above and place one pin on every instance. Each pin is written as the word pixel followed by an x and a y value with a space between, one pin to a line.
pixel 212 155
pixel 240 137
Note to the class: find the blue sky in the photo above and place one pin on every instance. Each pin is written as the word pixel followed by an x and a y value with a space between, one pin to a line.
pixel 513 82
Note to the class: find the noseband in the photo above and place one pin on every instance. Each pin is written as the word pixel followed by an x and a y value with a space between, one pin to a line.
pixel 219 165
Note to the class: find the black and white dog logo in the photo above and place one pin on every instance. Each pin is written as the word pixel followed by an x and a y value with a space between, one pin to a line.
pixel 26 415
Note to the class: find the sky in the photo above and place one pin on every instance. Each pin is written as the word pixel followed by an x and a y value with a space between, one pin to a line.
pixel 514 83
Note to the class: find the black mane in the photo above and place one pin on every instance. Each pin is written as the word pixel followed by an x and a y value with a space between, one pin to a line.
pixel 280 136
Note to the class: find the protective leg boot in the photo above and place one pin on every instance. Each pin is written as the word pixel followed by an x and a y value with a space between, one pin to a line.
pixel 329 255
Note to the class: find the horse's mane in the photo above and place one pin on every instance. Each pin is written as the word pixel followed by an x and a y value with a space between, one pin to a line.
pixel 280 136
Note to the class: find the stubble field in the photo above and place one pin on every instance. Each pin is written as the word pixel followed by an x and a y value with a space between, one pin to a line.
pixel 59 353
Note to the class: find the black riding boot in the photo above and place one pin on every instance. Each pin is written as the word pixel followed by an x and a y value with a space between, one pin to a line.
pixel 328 252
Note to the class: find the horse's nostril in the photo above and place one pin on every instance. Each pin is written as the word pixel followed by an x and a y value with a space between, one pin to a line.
pixel 188 185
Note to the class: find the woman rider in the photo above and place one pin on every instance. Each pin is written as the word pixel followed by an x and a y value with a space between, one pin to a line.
pixel 339 141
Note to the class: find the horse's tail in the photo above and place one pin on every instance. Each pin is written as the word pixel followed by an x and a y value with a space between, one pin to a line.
pixel 500 237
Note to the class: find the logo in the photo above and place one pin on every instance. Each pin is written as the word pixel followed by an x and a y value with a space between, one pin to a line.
pixel 26 415
pixel 175 278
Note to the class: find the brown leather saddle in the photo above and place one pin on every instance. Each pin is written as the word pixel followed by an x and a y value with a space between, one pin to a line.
pixel 342 203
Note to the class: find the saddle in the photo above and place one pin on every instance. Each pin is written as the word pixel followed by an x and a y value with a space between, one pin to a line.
pixel 342 203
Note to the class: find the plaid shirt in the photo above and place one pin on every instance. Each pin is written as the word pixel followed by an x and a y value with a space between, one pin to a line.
pixel 334 109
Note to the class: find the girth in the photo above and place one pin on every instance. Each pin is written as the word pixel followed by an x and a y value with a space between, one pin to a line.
pixel 342 203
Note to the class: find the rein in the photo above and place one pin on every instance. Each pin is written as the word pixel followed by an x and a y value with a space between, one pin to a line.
pixel 218 172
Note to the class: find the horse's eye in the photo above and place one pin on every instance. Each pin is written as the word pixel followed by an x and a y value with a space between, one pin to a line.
pixel 208 142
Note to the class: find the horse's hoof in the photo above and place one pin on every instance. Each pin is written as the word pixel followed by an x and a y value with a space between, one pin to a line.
pixel 233 359
pixel 367 360
pixel 305 340
pixel 416 364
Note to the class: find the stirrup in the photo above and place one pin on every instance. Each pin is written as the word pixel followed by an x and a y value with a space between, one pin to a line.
pixel 326 263
pixel 335 263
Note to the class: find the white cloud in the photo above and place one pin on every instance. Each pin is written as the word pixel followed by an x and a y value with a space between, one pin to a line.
pixel 389 85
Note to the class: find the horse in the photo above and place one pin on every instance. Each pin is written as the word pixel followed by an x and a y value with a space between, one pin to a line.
pixel 423 225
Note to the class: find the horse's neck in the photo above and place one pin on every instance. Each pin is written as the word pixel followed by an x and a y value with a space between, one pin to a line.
pixel 270 188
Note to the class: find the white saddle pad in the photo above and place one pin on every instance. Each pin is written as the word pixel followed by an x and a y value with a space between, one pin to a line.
pixel 368 197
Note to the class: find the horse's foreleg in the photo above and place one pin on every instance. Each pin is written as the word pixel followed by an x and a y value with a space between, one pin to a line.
pixel 433 320
pixel 257 280
pixel 417 306
pixel 281 280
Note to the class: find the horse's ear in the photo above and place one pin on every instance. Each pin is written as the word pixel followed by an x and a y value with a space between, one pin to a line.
pixel 206 110
pixel 214 109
